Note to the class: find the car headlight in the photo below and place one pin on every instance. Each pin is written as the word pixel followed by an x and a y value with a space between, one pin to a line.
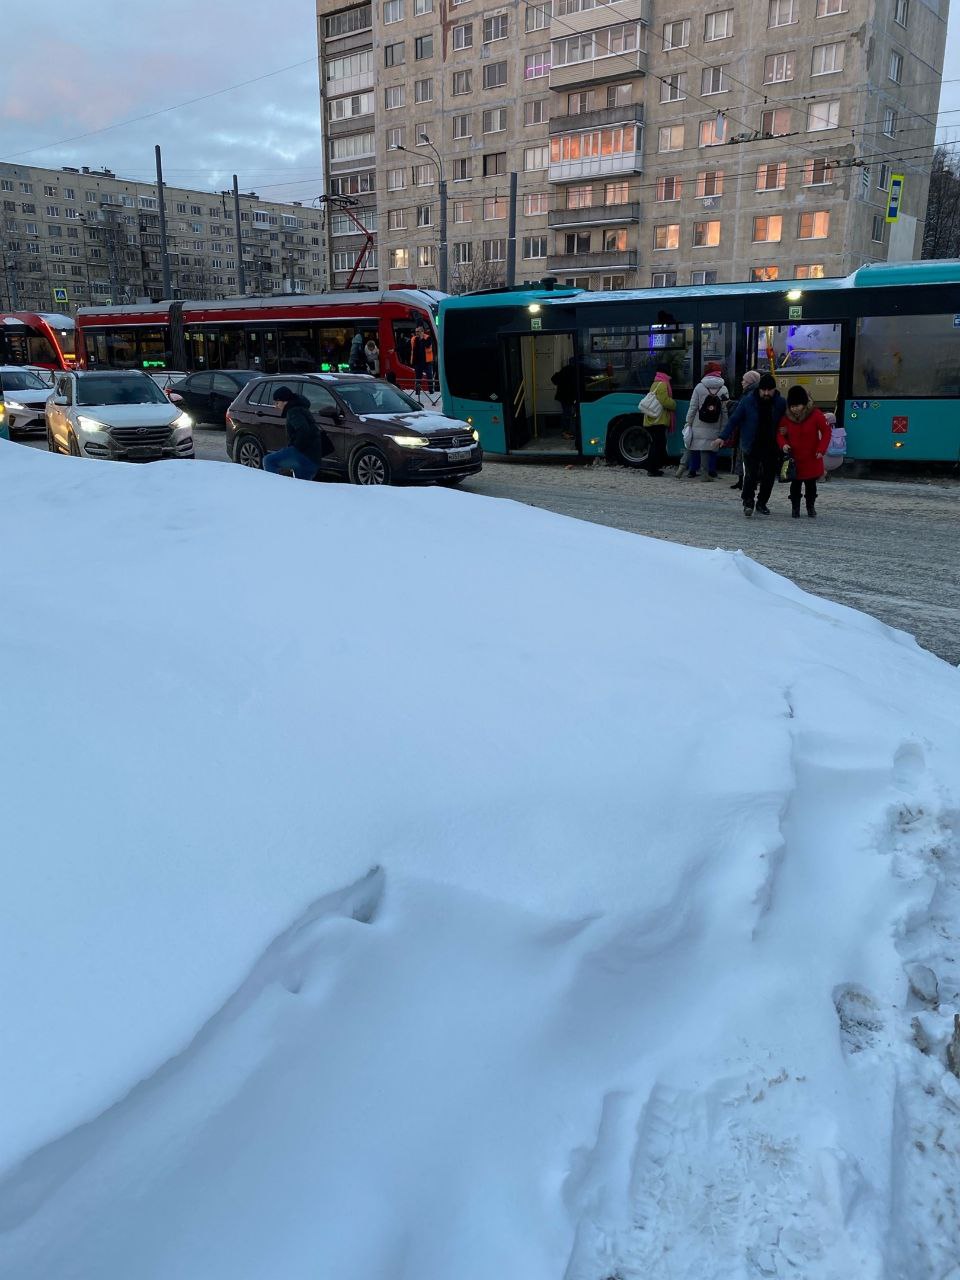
pixel 183 420
pixel 476 435
pixel 15 404
pixel 409 442
pixel 91 424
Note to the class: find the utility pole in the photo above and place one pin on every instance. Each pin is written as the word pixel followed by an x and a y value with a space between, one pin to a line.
pixel 512 233
pixel 241 275
pixel 164 253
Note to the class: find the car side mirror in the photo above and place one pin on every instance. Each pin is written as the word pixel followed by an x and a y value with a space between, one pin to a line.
pixel 175 397
pixel 60 400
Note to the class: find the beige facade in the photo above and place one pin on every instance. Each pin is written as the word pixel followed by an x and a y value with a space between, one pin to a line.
pixel 653 143
pixel 97 236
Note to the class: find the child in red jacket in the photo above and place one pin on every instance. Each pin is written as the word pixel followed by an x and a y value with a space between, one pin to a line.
pixel 804 435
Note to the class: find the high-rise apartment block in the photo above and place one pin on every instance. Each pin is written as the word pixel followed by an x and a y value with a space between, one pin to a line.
pixel 95 238
pixel 654 143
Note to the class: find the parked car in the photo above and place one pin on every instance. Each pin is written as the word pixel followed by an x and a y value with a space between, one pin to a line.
pixel 167 378
pixel 23 397
pixel 379 434
pixel 208 395
pixel 119 413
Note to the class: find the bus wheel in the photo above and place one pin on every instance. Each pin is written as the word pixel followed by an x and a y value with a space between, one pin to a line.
pixel 248 451
pixel 630 444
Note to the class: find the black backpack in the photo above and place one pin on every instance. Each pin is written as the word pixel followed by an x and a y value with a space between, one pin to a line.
pixel 711 410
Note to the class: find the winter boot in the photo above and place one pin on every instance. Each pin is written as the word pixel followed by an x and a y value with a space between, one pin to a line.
pixel 796 511
pixel 811 509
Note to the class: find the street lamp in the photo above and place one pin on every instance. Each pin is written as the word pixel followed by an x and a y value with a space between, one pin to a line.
pixel 424 141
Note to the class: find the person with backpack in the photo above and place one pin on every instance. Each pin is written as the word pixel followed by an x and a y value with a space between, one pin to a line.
pixel 706 418
pixel 804 436
pixel 757 418
pixel 307 444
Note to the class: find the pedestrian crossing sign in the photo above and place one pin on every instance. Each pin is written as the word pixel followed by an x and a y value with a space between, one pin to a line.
pixel 60 295
pixel 896 197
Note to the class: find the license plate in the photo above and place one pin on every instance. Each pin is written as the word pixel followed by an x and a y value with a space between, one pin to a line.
pixel 459 455
pixel 143 451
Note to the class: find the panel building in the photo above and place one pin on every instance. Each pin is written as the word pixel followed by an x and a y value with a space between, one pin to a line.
pixel 654 144
pixel 97 237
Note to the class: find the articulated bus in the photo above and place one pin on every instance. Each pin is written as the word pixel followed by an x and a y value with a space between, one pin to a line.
pixel 881 348
pixel 285 334
pixel 42 340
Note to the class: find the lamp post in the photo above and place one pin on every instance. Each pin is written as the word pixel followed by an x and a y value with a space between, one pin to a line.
pixel 424 141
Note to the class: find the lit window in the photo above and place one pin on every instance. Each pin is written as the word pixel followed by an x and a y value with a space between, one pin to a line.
pixel 816 173
pixel 670 137
pixel 669 189
pixel 768 228
pixel 615 193
pixel 711 133
pixel 462 211
pixel 709 183
pixel 812 271
pixel 814 226
pixel 667 236
pixel 494 208
pixel 579 197
pixel 615 240
pixel 399 259
pixel 706 234
pixel 764 273
pixel 772 176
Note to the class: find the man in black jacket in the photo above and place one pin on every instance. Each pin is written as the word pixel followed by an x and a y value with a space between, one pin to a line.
pixel 305 451
pixel 758 417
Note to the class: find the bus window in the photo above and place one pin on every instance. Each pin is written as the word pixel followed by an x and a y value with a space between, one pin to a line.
pixel 626 357
pixel 921 358
pixel 718 341
pixel 805 355
pixel 471 352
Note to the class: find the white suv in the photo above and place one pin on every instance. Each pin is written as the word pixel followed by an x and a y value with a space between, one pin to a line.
pixel 115 413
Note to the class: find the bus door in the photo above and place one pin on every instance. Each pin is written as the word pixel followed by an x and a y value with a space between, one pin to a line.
pixel 541 393
pixel 809 355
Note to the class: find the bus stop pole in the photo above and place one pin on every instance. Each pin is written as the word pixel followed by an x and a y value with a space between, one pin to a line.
pixel 241 274
pixel 512 233
pixel 164 250
pixel 443 233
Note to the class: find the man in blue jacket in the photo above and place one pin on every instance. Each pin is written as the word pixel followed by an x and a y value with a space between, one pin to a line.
pixel 307 444
pixel 758 417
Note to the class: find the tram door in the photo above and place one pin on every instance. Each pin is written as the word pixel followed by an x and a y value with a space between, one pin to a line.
pixel 539 368
pixel 807 355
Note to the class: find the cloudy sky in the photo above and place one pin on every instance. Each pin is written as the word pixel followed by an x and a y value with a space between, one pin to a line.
pixel 72 69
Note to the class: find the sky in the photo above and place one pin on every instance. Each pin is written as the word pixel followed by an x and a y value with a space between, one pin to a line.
pixel 83 70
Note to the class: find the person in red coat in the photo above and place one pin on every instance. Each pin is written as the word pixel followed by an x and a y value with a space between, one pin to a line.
pixel 804 435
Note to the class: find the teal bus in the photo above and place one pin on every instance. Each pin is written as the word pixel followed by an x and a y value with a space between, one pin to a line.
pixel 880 348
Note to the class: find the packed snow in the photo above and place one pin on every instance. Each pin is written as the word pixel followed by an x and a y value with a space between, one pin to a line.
pixel 407 885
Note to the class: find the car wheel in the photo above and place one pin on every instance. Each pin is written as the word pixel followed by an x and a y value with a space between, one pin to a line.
pixel 630 445
pixel 369 466
pixel 248 451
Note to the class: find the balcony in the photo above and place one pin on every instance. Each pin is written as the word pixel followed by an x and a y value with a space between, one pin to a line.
pixel 608 67
pixel 620 215
pixel 614 260
pixel 595 166
pixel 601 119
pixel 569 19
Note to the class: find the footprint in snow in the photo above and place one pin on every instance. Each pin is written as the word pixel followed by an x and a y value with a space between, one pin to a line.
pixel 861 1021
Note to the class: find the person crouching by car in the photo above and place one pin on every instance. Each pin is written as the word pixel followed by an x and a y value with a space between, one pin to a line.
pixel 757 418
pixel 307 444
pixel 804 436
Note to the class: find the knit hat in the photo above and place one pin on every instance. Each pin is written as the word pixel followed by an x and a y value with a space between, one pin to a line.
pixel 713 367
pixel 767 382
pixel 750 379
pixel 797 395
pixel 282 393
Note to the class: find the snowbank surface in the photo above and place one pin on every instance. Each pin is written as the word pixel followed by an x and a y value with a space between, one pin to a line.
pixel 400 884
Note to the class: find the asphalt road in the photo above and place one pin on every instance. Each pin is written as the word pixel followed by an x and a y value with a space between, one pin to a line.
pixel 891 549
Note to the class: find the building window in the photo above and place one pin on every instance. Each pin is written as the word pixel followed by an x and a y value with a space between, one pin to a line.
pixel 395 219
pixel 576 242
pixel 535 158
pixel 713 80
pixel 783 13
pixel 423 90
pixel 495 120
pixel 619 95
pixel 826 8
pixel 827 59
pixel 813 271
pixel 890 122
pixel 537 17
pixel 671 88
pixel 341 24
pixel 393 97
pixel 579 197
pixel 772 176
pixel 535 65
pixel 676 35
pixel 578 103
pixel 463 36
pixel 494 208
pixel 423 48
pixel 663 279
pixel 901 12
pixel 615 240
pixel 706 234
pixel 666 236
pixel 779 67
pixel 615 193
pixel 424 215
pixel 589 45
pixel 823 115
pixel 816 173
pixel 703 277
pixel 425 256
pixel 883 178
pixel 462 252
pixel 709 183
pixel 462 169
pixel 895 69
pixel 420 7
pixel 423 175
pixel 711 133
pixel 879 223
pixel 814 226
pixel 613 284
pixel 495 75
pixel 462 127
pixel 494 164
pixel 394 138
pixel 494 250
pixel 393 55
pixel 392 11
pixel 396 179
pixel 461 82
pixel 495 28
pixel 670 137
pixel 535 111
pixel 26 189
pixel 718 26
pixel 615 141
pixel 775 123
pixel 768 229
pixel 535 203
pixel 758 274
pixel 399 259
pixel 462 211
pixel 669 189
pixel 534 247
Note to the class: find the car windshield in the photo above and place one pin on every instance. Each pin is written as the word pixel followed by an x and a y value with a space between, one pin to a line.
pixel 112 388
pixel 374 397
pixel 22 380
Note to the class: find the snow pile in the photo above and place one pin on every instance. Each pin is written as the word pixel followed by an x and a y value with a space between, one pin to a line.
pixel 400 884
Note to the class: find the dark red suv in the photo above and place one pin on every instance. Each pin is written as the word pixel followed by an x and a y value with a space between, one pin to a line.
pixel 380 435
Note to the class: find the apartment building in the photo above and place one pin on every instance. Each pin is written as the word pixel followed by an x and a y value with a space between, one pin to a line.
pixel 96 237
pixel 654 144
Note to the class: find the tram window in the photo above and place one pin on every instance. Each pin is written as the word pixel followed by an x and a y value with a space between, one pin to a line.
pixel 153 347
pixel 403 331
pixel 334 345
pixel 40 350
pixel 120 348
pixel 297 350
pixel 626 357
pixel 233 349
pixel 907 356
